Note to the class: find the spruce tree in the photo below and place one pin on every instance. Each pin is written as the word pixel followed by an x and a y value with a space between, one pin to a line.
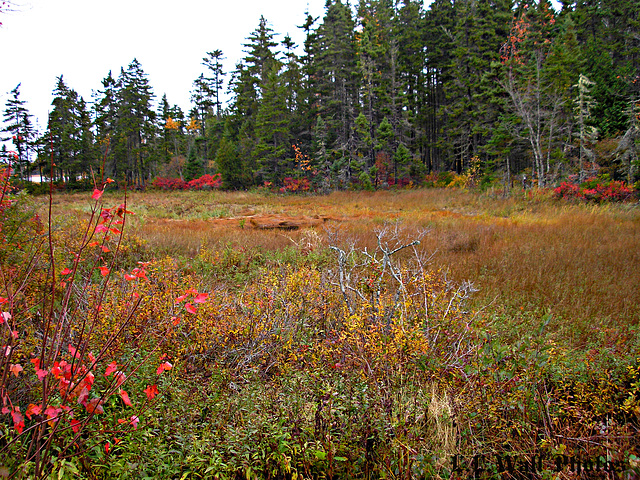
pixel 20 131
pixel 69 138
pixel 136 123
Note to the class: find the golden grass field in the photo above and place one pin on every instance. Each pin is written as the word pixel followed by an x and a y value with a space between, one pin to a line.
pixel 277 367
pixel 527 254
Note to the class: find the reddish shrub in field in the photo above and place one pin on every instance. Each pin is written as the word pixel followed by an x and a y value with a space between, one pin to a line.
pixel 295 185
pixel 166 183
pixel 596 191
pixel 203 183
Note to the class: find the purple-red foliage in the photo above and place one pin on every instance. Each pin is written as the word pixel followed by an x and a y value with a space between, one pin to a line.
pixel 596 191
pixel 295 185
pixel 202 183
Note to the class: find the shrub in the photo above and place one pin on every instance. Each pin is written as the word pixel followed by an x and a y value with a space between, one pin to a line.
pixel 205 182
pixel 293 185
pixel 70 339
pixel 595 190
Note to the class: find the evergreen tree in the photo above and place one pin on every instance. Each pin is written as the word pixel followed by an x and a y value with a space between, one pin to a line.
pixel 412 61
pixel 336 78
pixel 69 135
pixel 436 146
pixel 193 167
pixel 272 130
pixel 248 82
pixel 136 127
pixel 20 131
pixel 105 110
pixel 482 27
pixel 229 163
pixel 213 61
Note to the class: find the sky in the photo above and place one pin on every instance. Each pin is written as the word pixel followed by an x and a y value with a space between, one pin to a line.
pixel 84 39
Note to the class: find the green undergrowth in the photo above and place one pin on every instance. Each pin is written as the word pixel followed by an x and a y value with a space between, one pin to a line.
pixel 337 361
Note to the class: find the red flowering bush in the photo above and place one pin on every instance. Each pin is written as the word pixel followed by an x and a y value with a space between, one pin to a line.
pixel 202 183
pixel 595 190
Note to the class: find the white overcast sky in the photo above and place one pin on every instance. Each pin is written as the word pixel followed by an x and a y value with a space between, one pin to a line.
pixel 84 39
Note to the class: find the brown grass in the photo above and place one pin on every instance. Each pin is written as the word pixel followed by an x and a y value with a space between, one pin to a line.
pixel 527 255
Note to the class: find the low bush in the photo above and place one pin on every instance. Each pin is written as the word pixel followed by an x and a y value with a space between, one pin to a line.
pixel 595 190
pixel 205 182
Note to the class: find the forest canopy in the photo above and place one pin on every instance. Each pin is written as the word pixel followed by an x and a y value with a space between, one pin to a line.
pixel 382 92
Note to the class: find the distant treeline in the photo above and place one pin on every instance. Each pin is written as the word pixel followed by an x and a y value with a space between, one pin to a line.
pixel 381 93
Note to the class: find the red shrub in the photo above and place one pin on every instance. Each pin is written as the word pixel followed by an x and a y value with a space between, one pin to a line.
pixel 592 191
pixel 295 185
pixel 202 183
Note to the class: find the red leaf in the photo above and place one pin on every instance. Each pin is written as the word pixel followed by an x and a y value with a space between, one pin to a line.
pixel 190 308
pixel 52 414
pixel 120 378
pixel 125 398
pixel 16 369
pixel 181 298
pixel 112 367
pixel 95 406
pixel 104 271
pixel 151 391
pixel 97 194
pixel 105 249
pixel 134 420
pixel 75 425
pixel 41 373
pixel 3 300
pixel 201 298
pixel 129 277
pixel 18 419
pixel 164 366
pixel 33 410
pixel 83 396
pixel 101 228
pixel 66 271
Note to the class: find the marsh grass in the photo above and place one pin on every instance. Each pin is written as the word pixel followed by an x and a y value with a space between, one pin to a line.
pixel 528 255
pixel 275 373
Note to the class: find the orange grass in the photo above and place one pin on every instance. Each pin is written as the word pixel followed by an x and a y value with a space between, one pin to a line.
pixel 527 254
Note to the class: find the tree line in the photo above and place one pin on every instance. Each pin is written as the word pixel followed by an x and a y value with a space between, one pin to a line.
pixel 382 92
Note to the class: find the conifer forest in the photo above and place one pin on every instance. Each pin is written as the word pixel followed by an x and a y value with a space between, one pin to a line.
pixel 406 249
pixel 382 92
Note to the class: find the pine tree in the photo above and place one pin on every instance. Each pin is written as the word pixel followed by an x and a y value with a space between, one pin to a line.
pixel 105 110
pixel 248 83
pixel 69 135
pixel 213 61
pixel 440 21
pixel 481 29
pixel 193 167
pixel 20 131
pixel 336 78
pixel 135 123
pixel 412 61
pixel 272 131
pixel 229 163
